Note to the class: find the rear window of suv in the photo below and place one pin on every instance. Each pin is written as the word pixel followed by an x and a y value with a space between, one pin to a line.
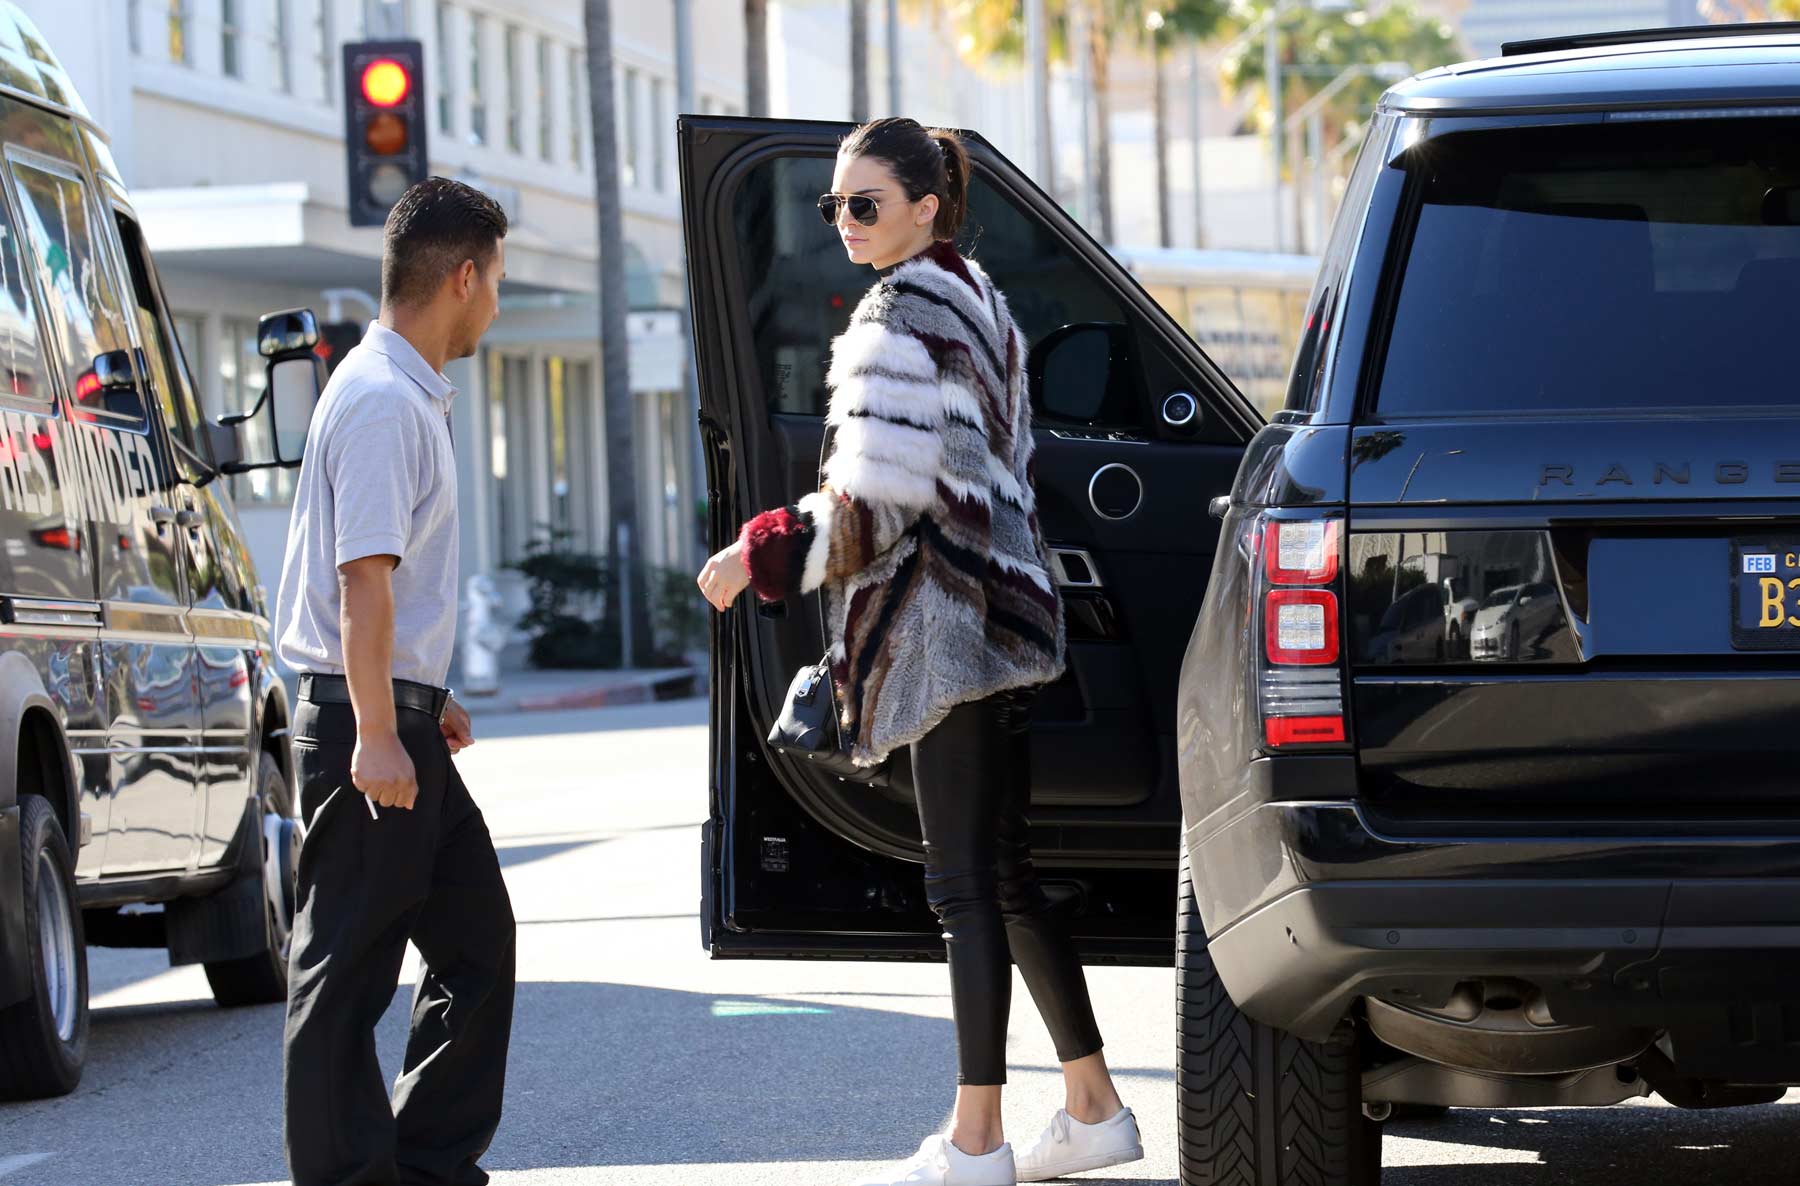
pixel 1635 264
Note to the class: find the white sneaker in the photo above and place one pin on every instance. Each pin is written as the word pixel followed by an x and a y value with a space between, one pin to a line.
pixel 1070 1147
pixel 940 1163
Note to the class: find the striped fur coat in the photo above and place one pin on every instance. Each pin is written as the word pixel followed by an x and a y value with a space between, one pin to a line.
pixel 924 534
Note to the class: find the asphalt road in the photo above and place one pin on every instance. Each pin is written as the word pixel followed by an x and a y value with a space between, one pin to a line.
pixel 635 1060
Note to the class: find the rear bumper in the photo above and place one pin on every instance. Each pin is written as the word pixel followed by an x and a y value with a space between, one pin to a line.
pixel 1309 908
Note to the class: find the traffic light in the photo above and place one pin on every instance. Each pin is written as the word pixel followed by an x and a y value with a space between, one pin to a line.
pixel 384 125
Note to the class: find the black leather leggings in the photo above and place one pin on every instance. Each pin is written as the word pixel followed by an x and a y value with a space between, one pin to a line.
pixel 972 776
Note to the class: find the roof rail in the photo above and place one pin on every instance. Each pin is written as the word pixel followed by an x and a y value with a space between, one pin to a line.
pixel 1542 45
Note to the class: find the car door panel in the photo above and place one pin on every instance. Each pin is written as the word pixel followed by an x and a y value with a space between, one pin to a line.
pixel 224 634
pixel 799 862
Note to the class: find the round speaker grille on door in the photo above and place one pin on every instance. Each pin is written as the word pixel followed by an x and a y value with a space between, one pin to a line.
pixel 1115 491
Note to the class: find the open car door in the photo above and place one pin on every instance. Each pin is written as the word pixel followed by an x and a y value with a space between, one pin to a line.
pixel 1136 431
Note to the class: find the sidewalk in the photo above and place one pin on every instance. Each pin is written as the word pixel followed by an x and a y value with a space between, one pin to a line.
pixel 545 691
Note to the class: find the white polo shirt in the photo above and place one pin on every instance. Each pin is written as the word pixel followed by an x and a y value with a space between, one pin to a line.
pixel 378 478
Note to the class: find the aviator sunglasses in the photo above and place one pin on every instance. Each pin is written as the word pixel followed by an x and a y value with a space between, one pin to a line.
pixel 863 208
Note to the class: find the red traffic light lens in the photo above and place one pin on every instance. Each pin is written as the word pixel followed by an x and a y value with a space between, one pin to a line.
pixel 385 82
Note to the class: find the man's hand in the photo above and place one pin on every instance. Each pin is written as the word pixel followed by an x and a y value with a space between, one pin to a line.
pixel 383 770
pixel 458 730
pixel 724 577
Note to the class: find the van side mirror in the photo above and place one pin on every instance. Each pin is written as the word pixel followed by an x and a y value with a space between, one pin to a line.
pixel 295 378
pixel 1080 375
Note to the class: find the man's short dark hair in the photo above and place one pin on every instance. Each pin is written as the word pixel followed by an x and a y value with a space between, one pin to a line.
pixel 432 229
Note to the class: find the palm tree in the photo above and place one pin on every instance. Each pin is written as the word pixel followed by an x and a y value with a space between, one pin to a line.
pixel 1161 22
pixel 756 57
pixel 859 60
pixel 627 613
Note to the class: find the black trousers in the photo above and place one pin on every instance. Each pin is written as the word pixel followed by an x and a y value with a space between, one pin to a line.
pixel 972 776
pixel 366 886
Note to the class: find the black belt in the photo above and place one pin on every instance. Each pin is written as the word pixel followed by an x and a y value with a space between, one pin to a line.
pixel 335 689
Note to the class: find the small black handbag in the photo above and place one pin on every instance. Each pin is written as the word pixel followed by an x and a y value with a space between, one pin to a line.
pixel 807 727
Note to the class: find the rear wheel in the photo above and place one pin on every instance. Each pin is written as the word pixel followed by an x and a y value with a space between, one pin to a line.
pixel 1256 1106
pixel 261 979
pixel 43 1039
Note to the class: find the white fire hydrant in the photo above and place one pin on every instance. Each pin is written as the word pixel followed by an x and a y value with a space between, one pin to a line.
pixel 484 634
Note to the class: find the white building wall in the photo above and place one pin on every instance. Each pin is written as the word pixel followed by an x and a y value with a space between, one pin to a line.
pixel 1487 24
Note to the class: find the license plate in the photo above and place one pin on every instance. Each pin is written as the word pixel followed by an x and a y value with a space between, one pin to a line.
pixel 1765 594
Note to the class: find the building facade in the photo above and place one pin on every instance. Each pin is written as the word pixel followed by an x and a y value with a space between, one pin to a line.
pixel 1488 24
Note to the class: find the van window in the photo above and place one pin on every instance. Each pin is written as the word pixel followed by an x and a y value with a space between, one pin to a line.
pixel 174 390
pixel 22 374
pixel 1623 265
pixel 78 290
pixel 802 288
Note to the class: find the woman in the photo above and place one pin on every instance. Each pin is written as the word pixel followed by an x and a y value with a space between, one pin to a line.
pixel 925 541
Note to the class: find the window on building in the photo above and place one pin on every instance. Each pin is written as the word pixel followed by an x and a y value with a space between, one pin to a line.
pixel 132 37
pixel 178 32
pixel 446 86
pixel 633 171
pixel 278 46
pixel 515 104
pixel 477 101
pixel 385 18
pixel 577 105
pixel 323 50
pixel 229 36
pixel 546 142
pixel 659 114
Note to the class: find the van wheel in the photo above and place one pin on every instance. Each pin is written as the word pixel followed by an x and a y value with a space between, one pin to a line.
pixel 1256 1106
pixel 261 979
pixel 43 1039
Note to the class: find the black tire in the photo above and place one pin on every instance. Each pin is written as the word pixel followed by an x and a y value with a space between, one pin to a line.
pixel 1256 1106
pixel 261 979
pixel 39 1057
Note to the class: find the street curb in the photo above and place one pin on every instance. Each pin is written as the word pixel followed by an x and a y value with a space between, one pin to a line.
pixel 668 686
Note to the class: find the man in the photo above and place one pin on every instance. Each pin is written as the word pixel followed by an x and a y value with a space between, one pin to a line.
pixel 395 848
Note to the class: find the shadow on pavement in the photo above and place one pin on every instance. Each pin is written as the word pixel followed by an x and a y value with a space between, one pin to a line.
pixel 1620 1146
pixel 600 1074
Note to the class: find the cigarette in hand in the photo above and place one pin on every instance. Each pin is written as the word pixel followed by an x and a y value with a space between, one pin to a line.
pixel 374 812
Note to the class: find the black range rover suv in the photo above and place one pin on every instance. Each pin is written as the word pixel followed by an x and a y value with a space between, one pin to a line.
pixel 1481 767
pixel 1489 730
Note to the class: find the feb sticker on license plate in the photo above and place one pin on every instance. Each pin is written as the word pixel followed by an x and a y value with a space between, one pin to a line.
pixel 1765 594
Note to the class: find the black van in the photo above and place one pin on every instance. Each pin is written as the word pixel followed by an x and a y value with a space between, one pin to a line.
pixel 143 733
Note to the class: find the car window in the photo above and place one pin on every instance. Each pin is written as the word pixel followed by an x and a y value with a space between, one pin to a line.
pixel 802 289
pixel 1500 597
pixel 1613 266
pixel 78 289
pixel 22 375
pixel 174 391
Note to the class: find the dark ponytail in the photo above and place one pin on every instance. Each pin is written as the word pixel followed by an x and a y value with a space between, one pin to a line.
pixel 923 160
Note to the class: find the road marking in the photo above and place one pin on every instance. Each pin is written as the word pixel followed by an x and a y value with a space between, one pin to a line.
pixel 19 1161
pixel 760 1009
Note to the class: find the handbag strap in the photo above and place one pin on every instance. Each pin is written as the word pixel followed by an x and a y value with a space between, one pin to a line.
pixel 825 440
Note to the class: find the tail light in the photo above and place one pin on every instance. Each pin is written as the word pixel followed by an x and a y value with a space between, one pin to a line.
pixel 1299 591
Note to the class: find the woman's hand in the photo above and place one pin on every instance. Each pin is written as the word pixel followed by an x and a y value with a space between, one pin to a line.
pixel 724 577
